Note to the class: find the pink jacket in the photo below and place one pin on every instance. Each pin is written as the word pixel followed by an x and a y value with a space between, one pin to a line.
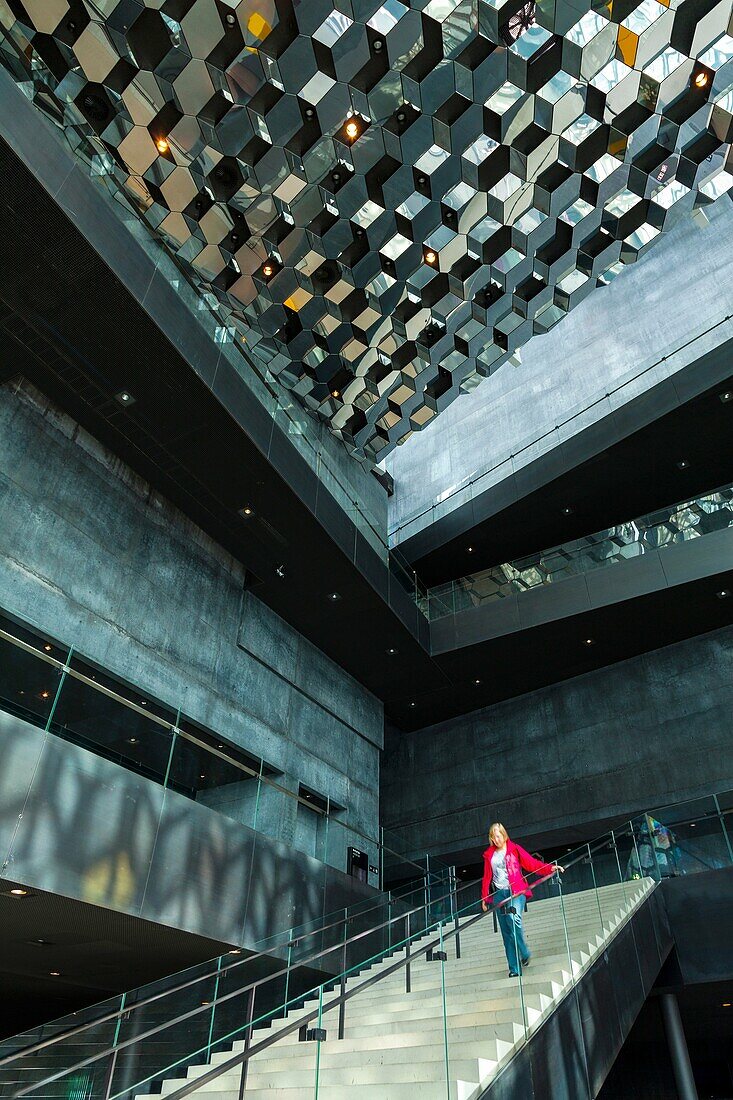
pixel 517 860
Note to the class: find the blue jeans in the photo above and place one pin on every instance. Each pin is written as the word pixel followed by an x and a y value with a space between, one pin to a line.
pixel 512 931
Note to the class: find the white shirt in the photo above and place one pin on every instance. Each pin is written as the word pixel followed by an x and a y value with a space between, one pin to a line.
pixel 498 869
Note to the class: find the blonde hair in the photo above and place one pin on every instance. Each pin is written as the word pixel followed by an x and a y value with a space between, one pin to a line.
pixel 498 825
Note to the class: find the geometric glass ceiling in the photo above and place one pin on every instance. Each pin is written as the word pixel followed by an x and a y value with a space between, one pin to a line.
pixel 390 199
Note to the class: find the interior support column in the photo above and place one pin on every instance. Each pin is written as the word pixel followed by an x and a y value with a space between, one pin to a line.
pixel 677 1044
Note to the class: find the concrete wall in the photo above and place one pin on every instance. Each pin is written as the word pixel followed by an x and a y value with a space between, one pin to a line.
pixel 75 824
pixel 604 354
pixel 89 554
pixel 638 734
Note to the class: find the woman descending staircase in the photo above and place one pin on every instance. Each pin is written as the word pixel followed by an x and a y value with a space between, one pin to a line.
pixel 461 1022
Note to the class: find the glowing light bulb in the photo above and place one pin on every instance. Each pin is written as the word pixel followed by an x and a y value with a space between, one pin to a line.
pixel 431 257
pixel 352 130
pixel 701 80
pixel 162 145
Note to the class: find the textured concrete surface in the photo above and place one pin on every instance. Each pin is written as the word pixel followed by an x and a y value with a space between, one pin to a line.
pixel 73 823
pixel 94 558
pixel 594 362
pixel 642 733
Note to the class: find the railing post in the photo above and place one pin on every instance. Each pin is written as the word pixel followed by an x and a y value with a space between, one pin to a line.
pixel 342 1006
pixel 247 1041
pixel 454 903
pixel 425 891
pixel 648 818
pixel 390 902
pixel 427 886
pixel 408 988
pixel 109 1075
pixel 381 857
pixel 722 825
pixel 287 971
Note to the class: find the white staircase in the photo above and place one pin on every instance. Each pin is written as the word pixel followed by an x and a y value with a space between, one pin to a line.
pixel 395 1042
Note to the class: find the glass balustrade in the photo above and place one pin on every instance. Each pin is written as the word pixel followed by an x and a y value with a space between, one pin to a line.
pixel 339 1004
pixel 54 688
pixel 666 527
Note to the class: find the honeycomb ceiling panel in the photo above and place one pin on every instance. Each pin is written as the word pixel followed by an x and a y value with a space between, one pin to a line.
pixel 392 198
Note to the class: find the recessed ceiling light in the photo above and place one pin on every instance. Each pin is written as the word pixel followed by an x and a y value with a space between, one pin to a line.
pixel 125 397
pixel 683 464
pixel 236 951
pixel 701 79
pixel 270 267
pixel 692 824
pixel 723 594
pixel 202 777
pixel 726 396
pixel 413 704
pixel 726 1004
pixel 47 648
pixel 133 741
pixel 392 651
pixel 567 510
pixel 54 973
pixel 589 641
pixel 353 128
pixel 430 256
pixel 247 511
pixel 45 694
pixel 469 549
pixel 161 144
pixel 334 597
pixel 477 681
pixel 19 892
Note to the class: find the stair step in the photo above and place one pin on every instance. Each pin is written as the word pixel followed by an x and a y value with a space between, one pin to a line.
pixel 395 1042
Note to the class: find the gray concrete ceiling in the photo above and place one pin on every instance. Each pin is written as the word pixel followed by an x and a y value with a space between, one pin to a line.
pixel 389 200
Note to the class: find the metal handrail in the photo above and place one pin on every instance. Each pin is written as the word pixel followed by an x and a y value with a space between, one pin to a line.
pixel 249 1052
pixel 43 1044
pixel 199 1008
pixel 253 986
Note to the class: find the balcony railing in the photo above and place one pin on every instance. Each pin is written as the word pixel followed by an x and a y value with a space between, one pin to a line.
pixel 666 527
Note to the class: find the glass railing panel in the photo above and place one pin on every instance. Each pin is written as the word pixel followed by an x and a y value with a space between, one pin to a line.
pixel 118 723
pixel 689 837
pixel 669 526
pixel 31 672
pixel 608 877
pixel 146 1044
pixel 215 776
pixel 74 1061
